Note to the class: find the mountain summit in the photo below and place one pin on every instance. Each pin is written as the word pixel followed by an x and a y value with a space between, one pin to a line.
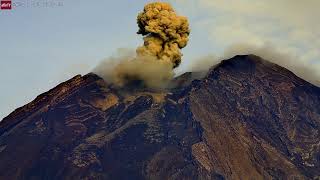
pixel 246 119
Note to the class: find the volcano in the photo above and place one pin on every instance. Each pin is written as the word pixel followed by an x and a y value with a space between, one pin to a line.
pixel 246 119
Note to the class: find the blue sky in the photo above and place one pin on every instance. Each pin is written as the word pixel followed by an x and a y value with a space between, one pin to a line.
pixel 42 46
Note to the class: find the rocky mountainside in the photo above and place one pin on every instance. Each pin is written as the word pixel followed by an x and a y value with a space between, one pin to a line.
pixel 247 119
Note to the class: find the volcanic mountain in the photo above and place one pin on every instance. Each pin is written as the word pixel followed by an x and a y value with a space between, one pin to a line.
pixel 246 119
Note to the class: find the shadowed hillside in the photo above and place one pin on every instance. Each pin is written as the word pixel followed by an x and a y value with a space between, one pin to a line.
pixel 247 118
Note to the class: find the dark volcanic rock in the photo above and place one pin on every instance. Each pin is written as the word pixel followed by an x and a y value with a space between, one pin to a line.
pixel 247 119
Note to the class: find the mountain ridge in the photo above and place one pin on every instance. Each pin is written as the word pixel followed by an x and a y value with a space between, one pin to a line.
pixel 246 118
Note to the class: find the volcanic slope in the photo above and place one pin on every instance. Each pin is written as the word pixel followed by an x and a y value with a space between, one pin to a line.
pixel 246 119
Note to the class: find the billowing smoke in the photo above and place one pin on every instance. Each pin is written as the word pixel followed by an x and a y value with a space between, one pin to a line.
pixel 165 34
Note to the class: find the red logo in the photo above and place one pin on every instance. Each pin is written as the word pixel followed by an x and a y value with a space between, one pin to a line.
pixel 6 5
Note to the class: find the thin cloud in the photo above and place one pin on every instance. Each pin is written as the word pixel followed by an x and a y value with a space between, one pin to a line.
pixel 291 26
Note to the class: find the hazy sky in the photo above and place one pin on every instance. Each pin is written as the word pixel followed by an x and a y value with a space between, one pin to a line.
pixel 45 42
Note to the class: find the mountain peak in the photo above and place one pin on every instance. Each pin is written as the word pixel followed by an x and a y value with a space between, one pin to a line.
pixel 247 118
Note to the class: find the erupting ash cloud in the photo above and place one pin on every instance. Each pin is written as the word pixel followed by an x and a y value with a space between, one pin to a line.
pixel 165 34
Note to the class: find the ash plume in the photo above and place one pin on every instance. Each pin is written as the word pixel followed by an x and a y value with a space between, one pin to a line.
pixel 164 34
